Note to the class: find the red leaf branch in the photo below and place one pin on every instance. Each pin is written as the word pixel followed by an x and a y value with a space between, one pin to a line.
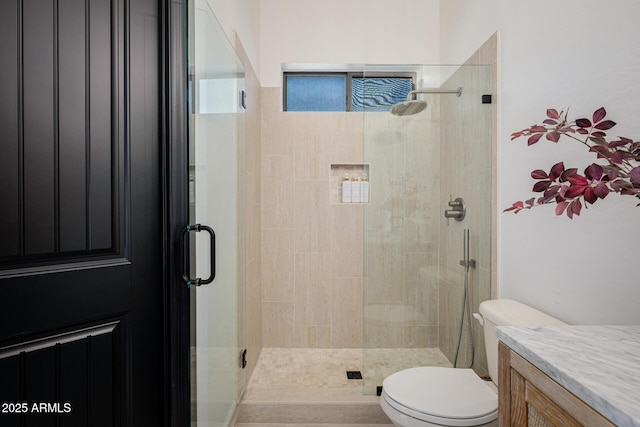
pixel 570 190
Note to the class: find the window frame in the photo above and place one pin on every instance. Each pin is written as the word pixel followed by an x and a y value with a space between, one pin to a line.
pixel 349 76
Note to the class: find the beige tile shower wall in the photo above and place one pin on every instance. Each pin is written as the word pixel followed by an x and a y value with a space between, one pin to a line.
pixel 468 171
pixel 401 288
pixel 312 250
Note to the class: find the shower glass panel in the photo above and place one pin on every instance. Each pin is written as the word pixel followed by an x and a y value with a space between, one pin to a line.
pixel 216 138
pixel 414 285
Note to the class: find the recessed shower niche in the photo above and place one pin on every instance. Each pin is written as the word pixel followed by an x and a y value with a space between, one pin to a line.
pixel 357 189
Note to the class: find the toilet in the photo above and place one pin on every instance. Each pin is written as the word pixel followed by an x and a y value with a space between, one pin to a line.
pixel 436 396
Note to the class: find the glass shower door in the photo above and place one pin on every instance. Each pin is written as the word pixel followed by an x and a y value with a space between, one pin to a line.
pixel 216 78
pixel 414 283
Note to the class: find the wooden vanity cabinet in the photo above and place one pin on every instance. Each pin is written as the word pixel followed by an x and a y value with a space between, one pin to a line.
pixel 528 397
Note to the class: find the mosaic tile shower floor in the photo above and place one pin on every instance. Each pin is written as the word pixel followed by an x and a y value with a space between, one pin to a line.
pixel 319 375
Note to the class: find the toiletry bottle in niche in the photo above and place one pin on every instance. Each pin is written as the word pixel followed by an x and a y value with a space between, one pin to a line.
pixel 346 189
pixel 356 186
pixel 365 189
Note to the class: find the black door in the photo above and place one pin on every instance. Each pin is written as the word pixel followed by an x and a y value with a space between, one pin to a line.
pixel 81 213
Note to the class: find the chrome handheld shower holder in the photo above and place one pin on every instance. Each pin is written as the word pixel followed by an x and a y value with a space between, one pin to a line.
pixel 467 262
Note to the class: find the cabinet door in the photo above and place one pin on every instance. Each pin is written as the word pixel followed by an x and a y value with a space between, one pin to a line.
pixel 528 397
pixel 532 408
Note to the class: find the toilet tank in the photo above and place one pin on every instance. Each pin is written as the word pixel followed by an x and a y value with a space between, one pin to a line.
pixel 506 312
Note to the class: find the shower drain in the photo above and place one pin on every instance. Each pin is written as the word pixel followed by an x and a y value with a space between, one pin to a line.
pixel 354 375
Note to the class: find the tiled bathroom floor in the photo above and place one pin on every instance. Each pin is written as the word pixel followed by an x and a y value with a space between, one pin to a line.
pixel 319 375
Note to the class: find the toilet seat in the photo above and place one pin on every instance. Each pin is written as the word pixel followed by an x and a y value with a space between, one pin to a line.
pixel 444 396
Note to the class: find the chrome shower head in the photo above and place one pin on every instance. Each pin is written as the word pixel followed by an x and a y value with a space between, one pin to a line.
pixel 414 106
pixel 408 108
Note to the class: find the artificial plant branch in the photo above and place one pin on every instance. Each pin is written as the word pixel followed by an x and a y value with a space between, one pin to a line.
pixel 566 187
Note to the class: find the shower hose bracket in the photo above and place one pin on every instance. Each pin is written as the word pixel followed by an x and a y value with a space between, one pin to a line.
pixel 468 264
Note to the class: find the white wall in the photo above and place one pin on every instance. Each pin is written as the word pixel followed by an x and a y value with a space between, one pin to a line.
pixel 241 17
pixel 346 31
pixel 581 54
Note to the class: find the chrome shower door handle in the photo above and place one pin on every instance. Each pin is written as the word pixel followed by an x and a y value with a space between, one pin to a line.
pixel 186 273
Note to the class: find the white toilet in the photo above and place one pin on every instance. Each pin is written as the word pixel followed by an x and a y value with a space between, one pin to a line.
pixel 435 396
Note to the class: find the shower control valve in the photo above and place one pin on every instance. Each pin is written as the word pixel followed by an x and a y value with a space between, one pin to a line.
pixel 457 210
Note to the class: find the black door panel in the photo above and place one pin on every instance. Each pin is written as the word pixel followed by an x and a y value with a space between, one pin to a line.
pixel 81 213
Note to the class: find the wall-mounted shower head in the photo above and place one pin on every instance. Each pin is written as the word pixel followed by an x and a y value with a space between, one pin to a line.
pixel 413 105
pixel 408 108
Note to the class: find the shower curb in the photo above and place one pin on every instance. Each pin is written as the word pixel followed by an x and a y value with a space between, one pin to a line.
pixel 312 413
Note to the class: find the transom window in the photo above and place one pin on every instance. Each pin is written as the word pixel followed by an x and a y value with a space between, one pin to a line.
pixel 336 91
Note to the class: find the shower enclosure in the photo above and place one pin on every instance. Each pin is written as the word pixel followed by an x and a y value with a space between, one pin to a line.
pixel 407 255
pixel 414 283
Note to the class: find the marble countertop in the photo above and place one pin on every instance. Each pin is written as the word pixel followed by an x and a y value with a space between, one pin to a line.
pixel 599 364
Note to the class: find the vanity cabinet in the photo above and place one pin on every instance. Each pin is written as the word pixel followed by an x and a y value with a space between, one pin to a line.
pixel 528 397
